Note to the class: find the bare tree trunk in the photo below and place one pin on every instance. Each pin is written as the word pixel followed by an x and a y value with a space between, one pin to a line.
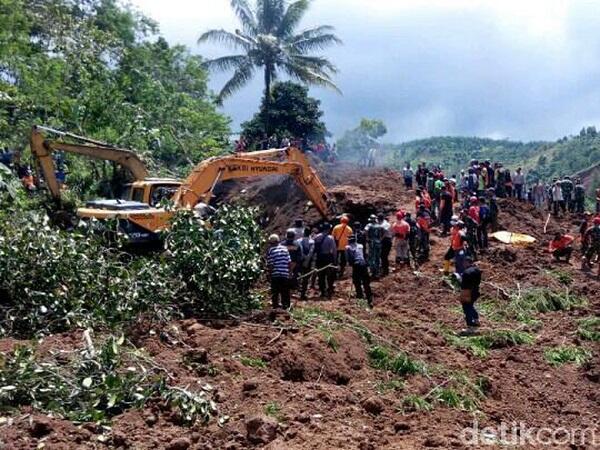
pixel 268 80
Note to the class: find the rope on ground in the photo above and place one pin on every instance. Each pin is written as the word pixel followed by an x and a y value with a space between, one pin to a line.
pixel 330 266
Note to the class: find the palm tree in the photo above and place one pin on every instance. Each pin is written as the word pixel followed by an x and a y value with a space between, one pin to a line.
pixel 267 40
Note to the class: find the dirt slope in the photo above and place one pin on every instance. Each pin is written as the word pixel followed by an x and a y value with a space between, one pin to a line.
pixel 317 380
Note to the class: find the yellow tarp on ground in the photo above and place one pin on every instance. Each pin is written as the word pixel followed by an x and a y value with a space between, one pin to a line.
pixel 513 238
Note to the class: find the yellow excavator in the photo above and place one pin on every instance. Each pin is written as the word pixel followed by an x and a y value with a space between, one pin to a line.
pixel 139 213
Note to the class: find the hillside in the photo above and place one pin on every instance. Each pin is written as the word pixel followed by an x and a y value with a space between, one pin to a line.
pixel 333 374
pixel 543 160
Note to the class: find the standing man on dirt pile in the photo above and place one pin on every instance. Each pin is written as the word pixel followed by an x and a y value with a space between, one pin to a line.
pixel 567 191
pixel 424 224
pixel 446 209
pixel 456 244
pixel 558 201
pixel 341 233
pixel 539 195
pixel 295 252
pixel 593 250
pixel 470 282
pixel 519 183
pixel 561 246
pixel 579 194
pixel 375 234
pixel 360 271
pixel 386 244
pixel 401 231
pixel 278 265
pixel 326 252
pixel 298 228
pixel 408 173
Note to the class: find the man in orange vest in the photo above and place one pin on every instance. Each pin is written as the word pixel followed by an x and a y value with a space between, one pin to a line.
pixel 561 246
pixel 456 243
pixel 401 231
pixel 341 233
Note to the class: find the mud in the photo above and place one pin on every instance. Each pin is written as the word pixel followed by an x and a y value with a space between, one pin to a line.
pixel 317 375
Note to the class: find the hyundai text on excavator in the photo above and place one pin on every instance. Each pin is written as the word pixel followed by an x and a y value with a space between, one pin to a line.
pixel 139 214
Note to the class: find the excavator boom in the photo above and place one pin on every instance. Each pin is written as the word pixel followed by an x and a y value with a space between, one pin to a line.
pixel 43 148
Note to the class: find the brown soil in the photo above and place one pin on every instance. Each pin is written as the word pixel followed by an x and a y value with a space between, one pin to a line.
pixel 328 394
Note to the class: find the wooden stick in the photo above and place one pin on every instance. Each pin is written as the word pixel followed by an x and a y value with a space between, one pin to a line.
pixel 546 224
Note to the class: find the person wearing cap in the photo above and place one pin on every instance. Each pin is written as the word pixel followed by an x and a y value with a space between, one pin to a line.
pixel 341 233
pixel 326 251
pixel 593 250
pixel 279 265
pixel 360 271
pixel 374 232
pixel 470 282
pixel 561 246
pixel 579 197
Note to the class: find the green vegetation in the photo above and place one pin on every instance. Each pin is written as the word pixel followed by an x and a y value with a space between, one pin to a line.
pixel 415 403
pixel 481 345
pixel 273 409
pixel 589 329
pixel 389 385
pixel 268 40
pixel 356 142
pixel 256 363
pixel 563 277
pixel 542 300
pixel 93 385
pixel 566 354
pixel 54 281
pixel 100 69
pixel 398 363
pixel 289 113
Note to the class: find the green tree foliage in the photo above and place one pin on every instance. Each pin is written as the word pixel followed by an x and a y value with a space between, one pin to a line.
pixel 354 143
pixel 99 69
pixel 219 263
pixel 267 39
pixel 292 113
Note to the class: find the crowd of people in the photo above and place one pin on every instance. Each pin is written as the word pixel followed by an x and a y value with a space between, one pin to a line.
pixel 464 209
pixel 23 171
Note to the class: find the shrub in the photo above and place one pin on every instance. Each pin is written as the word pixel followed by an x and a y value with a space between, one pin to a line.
pixel 52 281
pixel 219 263
pixel 589 329
pixel 565 354
pixel 480 345
pixel 93 385
pixel 400 363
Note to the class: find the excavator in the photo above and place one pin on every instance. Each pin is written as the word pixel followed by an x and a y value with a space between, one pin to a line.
pixel 141 215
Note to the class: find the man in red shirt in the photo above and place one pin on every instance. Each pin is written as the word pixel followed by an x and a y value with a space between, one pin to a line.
pixel 561 246
pixel 401 231
pixel 456 243
pixel 474 210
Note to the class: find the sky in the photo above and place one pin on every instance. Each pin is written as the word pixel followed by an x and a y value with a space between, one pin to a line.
pixel 516 69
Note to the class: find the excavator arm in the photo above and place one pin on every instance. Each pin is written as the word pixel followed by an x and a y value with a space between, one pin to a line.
pixel 43 148
pixel 199 185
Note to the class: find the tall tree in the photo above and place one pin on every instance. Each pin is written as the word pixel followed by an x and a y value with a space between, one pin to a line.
pixel 268 40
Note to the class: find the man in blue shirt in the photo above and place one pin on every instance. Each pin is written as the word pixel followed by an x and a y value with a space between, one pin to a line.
pixel 278 264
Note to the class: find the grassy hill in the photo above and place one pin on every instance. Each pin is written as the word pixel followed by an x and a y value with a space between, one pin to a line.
pixel 543 160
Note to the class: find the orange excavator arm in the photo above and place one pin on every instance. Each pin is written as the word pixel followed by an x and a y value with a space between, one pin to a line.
pixel 199 185
pixel 42 149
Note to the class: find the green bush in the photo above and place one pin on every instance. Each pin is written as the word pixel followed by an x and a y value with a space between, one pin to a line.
pixel 219 263
pixel 400 363
pixel 589 329
pixel 52 281
pixel 566 354
pixel 93 385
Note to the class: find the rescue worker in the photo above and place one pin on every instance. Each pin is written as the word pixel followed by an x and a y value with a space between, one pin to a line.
pixel 579 197
pixel 446 208
pixel 341 233
pixel 374 232
pixel 413 235
pixel 593 250
pixel 424 224
pixel 567 192
pixel 360 271
pixel 325 250
pixel 519 183
pixel 408 173
pixel 484 223
pixel 401 231
pixel 456 244
pixel 386 244
pixel 307 244
pixel 558 201
pixel 470 283
pixel 278 265
pixel 561 246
